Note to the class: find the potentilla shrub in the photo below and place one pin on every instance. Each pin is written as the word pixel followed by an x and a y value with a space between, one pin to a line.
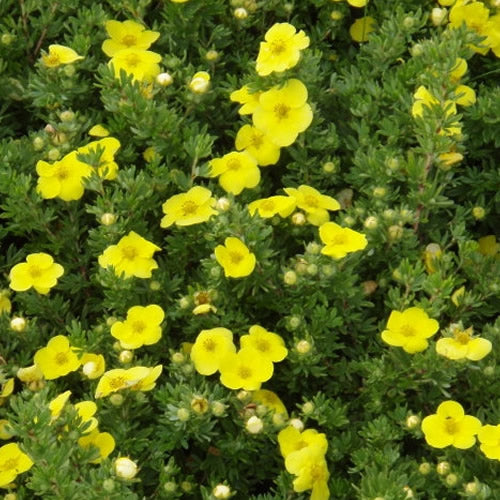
pixel 250 249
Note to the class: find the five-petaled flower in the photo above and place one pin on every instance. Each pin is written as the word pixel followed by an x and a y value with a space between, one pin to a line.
pixel 463 345
pixel 39 271
pixel 450 426
pixel 269 345
pixel 315 204
pixel 141 64
pixel 105 150
pixel 236 171
pixel 255 142
pixel 59 54
pixel 119 379
pixel 235 258
pixel 339 241
pixel 57 359
pixel 125 35
pixel 489 437
pixel 209 348
pixel 274 205
pixel 12 462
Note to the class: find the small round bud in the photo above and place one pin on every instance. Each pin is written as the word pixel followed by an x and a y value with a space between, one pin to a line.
pixel 369 287
pixel 478 213
pixel 59 138
pixel 472 488
pixel 389 214
pixel 327 270
pixel 111 321
pixel 290 278
pixel 424 468
pixel 6 38
pixel 69 70
pixel 116 399
pixel 417 50
pixel 297 424
pixel 349 221
pixel 298 218
pixel 212 55
pixel 108 485
pixel 199 404
pixel 243 395
pixel 408 491
pixel 396 274
pixel 38 143
pixel 125 357
pixel 301 266
pixel 183 414
pixel 164 79
pixel 5 430
pixel 49 129
pixel 54 154
pixel 125 468
pixel 67 116
pixel 412 422
pixel 408 21
pixel 218 408
pixel 170 486
pixel 200 82
pixel 336 15
pixel 313 248
pixel 187 369
pixel 186 486
pixel 443 468
pixel 379 192
pixel 489 371
pixel 392 163
pixel 18 324
pixel 108 218
pixel 278 419
pixel 451 479
pixel 254 425
pixel 117 346
pixel 240 13
pixel 154 285
pixel 329 167
pixel 221 491
pixel 308 408
pixel 215 272
pixel 10 496
pixel 222 204
pixel 294 322
pixel 395 232
pixel 178 358
pixel 371 222
pixel 312 269
pixel 184 302
pixel 303 346
pixel 438 16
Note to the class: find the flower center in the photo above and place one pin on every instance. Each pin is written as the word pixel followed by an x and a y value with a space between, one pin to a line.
pixel 129 40
pixel 233 165
pixel 202 298
pixel 450 425
pixel 129 252
pixel 311 201
pixel 9 464
pixel 281 111
pixel 138 326
pixel 52 60
pixel 209 345
pixel 278 47
pixel 132 60
pixel 117 383
pixel 62 174
pixel 317 473
pixel 339 239
pixel 189 207
pixel 257 141
pixel 35 272
pixel 244 372
pixel 408 331
pixel 463 337
pixel 61 358
pixel 262 345
pixel 267 205
pixel 235 257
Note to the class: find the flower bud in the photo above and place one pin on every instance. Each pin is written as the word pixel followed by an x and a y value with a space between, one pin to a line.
pixel 408 491
pixel 200 82
pixel 218 408
pixel 54 154
pixel 312 269
pixel 221 491
pixel 278 419
pixel 327 270
pixel 379 192
pixel 10 496
pixel 438 16
pixel 290 278
pixel 108 218
pixel 408 21
pixel 18 324
pixel 369 287
pixel 69 70
pixel 199 404
pixel 5 431
pixel 298 218
pixel 108 485
pixel 38 143
pixel 178 358
pixel 154 285
pixel 125 357
pixel 329 167
pixel 395 232
pixel 170 486
pixel 222 204
pixel 254 425
pixel 164 79
pixel 336 15
pixel 392 163
pixel 111 321
pixel 297 424
pixel 424 468
pixel 472 488
pixel 243 395
pixel 125 468
pixel 371 222
pixel 451 479
pixel 67 116
pixel 183 414
pixel 301 266
pixel 212 55
pixel 186 486
pixel 478 213
pixel 308 408
pixel 413 421
pixel 6 38
pixel 489 371
pixel 116 399
pixel 117 346
pixel 443 468
pixel 29 374
pixel 240 13
pixel 294 322
pixel 349 221
pixel 303 346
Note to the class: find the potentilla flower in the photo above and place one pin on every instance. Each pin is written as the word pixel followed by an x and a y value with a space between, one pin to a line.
pixel 269 345
pixel 339 241
pixel 142 327
pixel 103 441
pixel 283 112
pixel 98 131
pixel 93 365
pixel 58 55
pixel 474 15
pixel 132 256
pixel 236 171
pixel 274 205
pixel 105 164
pixel 125 468
pixel 209 348
pixel 235 258
pixel 7 390
pixel 465 95
pixel 57 359
pixel 62 179
pixel 489 437
pixel 450 426
pixel 141 64
pixel 57 404
pixel 291 440
pixel 86 411
pixel 246 369
pixel 410 329
pixel 255 142
pixel 249 100
pixel 119 379
pixel 315 204
pixel 5 304
pixel 126 35
pixel 281 50
pixel 458 70
pixel 185 209
pixel 39 271
pixel 12 463
pixel 148 382
pixel 361 28
pixel 271 400
pixel 463 345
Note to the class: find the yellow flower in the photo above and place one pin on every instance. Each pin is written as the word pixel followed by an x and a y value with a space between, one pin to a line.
pixel 292 440
pixel 488 245
pixel 209 348
pixel 256 143
pixel 86 411
pixel 5 304
pixel 458 295
pixel 271 400
pixel 237 171
pixel 315 204
pixel 423 98
pixel 246 369
pixel 148 382
pixel 432 254
pixel 269 207
pixel 339 241
pixel 449 159
pixel 5 429
pixel 141 64
pixel 39 271
pixel 57 359
pixel 410 329
pixel 59 54
pixel 142 327
pixel 281 50
pixel 474 15
pixel 126 35
pixel 29 374
pixel 357 3
pixel 250 100
pixel 132 256
pixel 463 346
pixel 98 131
pixel 103 441
pixel 150 154
pixel 235 258
pixel 186 209
pixel 458 70
pixel 269 345
pixel 119 379
pixel 489 437
pixel 283 112
pixel 63 179
pixel 450 426
pixel 465 95
pixel 93 365
pixel 105 161
pixel 361 28
pixel 204 309
pixel 57 404
pixel 12 462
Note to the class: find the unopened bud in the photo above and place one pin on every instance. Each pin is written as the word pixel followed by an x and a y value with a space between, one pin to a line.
pixel 424 468
pixel 371 222
pixel 125 468
pixel 125 357
pixel 294 322
pixel 200 82
pixel 395 232
pixel 349 221
pixel 303 346
pixel 218 408
pixel 222 204
pixel 336 15
pixel 183 414
pixel 108 218
pixel 221 491
pixel 212 55
pixel 154 285
pixel 67 116
pixel 7 38
pixel 240 13
pixel 478 213
pixel 443 468
pixel 417 50
pixel 438 16
pixel 329 167
pixel 186 486
pixel 164 79
pixel 243 395
pixel 312 269
pixel 298 218
pixel 254 425
pixel 472 488
pixel 379 192
pixel 170 486
pixel 413 421
pixel 18 324
pixel 108 485
pixel 116 399
pixel 38 143
pixel 296 423
pixel 178 358
pixel 408 21
pixel 54 154
pixel 451 479
pixel 290 277
pixel 307 408
pixel 369 287
pixel 199 404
